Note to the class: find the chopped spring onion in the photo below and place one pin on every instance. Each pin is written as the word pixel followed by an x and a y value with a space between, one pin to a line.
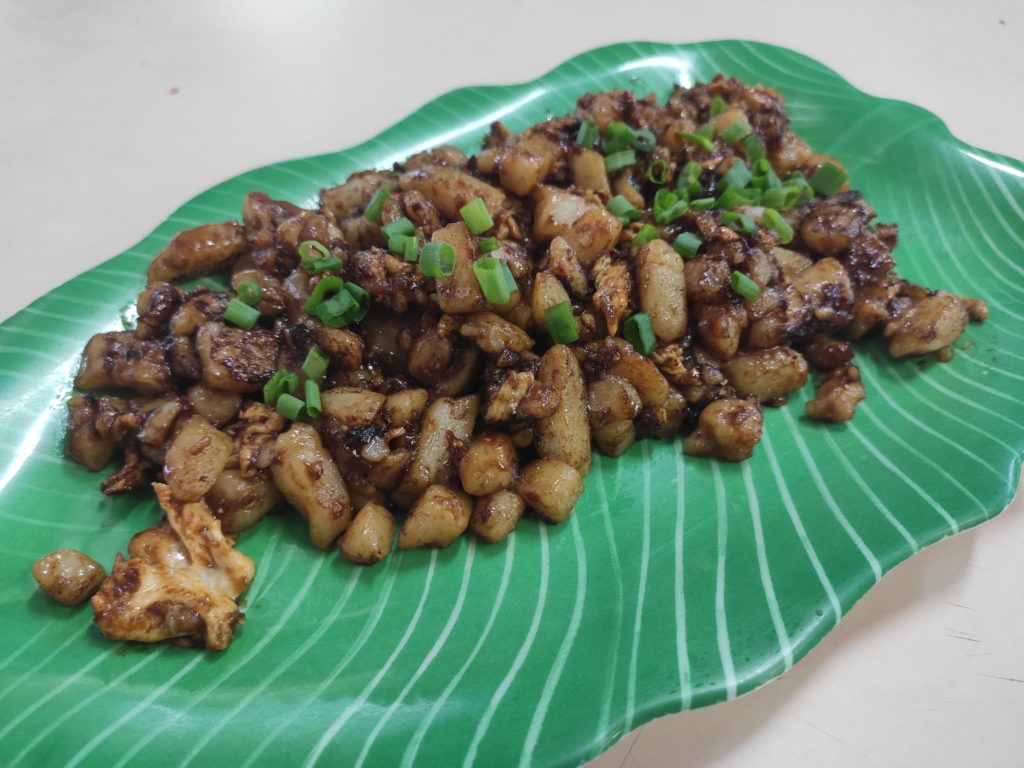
pixel 828 179
pixel 337 311
pixel 734 132
pixel 488 244
pixel 315 364
pixel 437 260
pixel 250 292
pixel 647 233
pixel 798 181
pixel 313 407
pixel 657 171
pixel 617 137
pixel 667 206
pixel 241 314
pixel 400 226
pixel 587 134
pixel 644 141
pixel 622 208
pixel 638 332
pixel 701 141
pixel 405 246
pixel 773 220
pixel 738 176
pixel 561 324
pixel 687 245
pixel 491 277
pixel 619 160
pixel 372 212
pixel 718 106
pixel 310 251
pixel 475 214
pixel 281 383
pixel 744 286
pixel 290 407
pixel 330 284
pixel 326 264
pixel 781 198
pixel 707 131
pixel 739 222
pixel 753 147
pixel 510 279
pixel 702 204
pixel 734 196
pixel 688 180
pixel 764 177
pixel 348 304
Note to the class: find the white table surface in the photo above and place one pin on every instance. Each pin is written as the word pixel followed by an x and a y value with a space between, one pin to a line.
pixel 114 113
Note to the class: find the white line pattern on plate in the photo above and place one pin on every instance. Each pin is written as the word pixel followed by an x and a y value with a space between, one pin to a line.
pixel 721 618
pixel 537 722
pixel 772 599
pixel 352 708
pixel 524 650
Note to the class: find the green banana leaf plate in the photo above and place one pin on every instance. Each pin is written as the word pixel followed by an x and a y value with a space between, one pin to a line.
pixel 677 583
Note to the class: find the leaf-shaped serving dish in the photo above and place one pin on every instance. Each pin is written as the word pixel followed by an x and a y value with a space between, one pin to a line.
pixel 677 583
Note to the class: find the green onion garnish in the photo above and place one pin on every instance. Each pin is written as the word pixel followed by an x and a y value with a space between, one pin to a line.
pixel 702 204
pixel 619 160
pixel 657 171
pixel 281 383
pixel 617 137
pixel 587 134
pixel 707 131
pixel 241 314
pixel 734 196
pixel 372 212
pixel 667 207
pixel 475 214
pixel 622 208
pixel 644 141
pixel 290 407
pixel 337 311
pixel 491 278
pixel 488 244
pixel 780 198
pixel 647 233
pixel 329 284
pixel 734 132
pixel 510 279
pixel 773 220
pixel 310 251
pixel 753 147
pixel 638 332
pixel 400 226
pixel 313 407
pixel 828 179
pixel 718 106
pixel 561 324
pixel 738 175
pixel 687 245
pixel 437 260
pixel 744 286
pixel 315 364
pixel 701 141
pixel 799 182
pixel 739 222
pixel 688 180
pixel 412 248
pixel 350 305
pixel 326 264
pixel 396 244
pixel 250 292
